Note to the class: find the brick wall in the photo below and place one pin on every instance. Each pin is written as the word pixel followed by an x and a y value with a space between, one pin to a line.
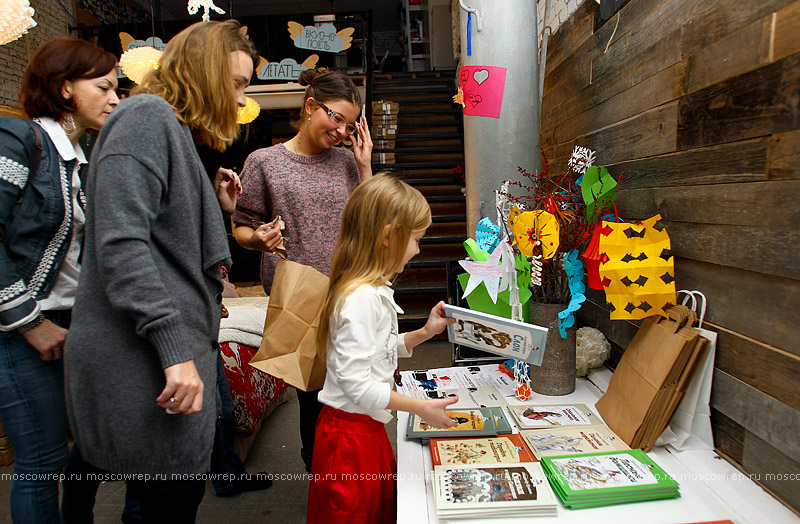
pixel 386 41
pixel 559 11
pixel 52 20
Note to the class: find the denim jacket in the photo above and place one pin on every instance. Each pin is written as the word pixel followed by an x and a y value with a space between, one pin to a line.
pixel 36 231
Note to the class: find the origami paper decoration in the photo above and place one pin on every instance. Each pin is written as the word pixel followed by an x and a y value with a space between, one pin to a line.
pixel 129 42
pixel 16 20
pixel 139 61
pixel 458 98
pixel 574 270
pixel 599 190
pixel 249 112
pixel 323 38
pixel 637 268
pixel 592 257
pixel 487 234
pixel 582 158
pixel 194 5
pixel 533 228
pixel 487 272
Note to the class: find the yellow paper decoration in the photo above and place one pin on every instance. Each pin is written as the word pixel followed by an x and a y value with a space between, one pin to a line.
pixel 249 112
pixel 638 271
pixel 15 20
pixel 136 63
pixel 532 226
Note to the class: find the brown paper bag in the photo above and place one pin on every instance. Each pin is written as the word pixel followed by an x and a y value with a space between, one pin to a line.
pixel 643 385
pixel 289 350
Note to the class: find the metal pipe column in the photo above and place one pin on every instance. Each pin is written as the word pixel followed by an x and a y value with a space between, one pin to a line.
pixel 495 147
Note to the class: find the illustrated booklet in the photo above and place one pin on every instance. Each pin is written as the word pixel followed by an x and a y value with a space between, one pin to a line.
pixel 476 422
pixel 604 479
pixel 501 449
pixel 479 397
pixel 541 416
pixel 500 490
pixel 569 440
pixel 498 335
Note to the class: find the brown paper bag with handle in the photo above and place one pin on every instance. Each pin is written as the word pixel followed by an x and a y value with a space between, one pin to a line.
pixel 289 349
pixel 641 387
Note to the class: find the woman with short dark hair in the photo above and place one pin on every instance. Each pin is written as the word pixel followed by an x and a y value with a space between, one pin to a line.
pixel 69 86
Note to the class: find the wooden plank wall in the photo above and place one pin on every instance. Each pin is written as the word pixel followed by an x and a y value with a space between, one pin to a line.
pixel 695 105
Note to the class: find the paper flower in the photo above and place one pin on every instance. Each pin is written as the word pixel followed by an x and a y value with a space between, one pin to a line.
pixel 249 112
pixel 533 228
pixel 16 19
pixel 136 63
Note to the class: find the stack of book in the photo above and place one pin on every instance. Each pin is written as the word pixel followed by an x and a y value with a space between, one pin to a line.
pixel 476 422
pixel 604 479
pixel 492 491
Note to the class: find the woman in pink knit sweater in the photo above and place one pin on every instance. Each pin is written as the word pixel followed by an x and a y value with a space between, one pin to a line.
pixel 306 181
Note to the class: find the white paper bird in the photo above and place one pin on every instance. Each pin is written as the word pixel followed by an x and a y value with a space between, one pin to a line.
pixel 194 5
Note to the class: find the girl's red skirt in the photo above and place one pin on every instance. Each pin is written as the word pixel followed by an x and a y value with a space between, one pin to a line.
pixel 353 471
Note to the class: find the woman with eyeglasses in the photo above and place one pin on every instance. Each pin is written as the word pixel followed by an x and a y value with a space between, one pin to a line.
pixel 306 181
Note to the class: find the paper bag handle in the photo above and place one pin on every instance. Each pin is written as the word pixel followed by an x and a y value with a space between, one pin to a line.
pixel 681 315
pixel 696 297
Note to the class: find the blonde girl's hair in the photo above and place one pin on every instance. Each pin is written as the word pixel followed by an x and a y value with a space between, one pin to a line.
pixel 196 78
pixel 361 256
pixel 326 86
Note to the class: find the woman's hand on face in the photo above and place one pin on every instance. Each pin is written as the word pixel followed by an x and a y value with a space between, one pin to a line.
pixel 228 187
pixel 48 339
pixel 363 152
pixel 183 392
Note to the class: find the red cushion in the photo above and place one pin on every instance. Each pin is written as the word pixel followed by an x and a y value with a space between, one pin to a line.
pixel 252 390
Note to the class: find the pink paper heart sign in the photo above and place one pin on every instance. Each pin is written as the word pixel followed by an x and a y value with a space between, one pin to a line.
pixel 483 88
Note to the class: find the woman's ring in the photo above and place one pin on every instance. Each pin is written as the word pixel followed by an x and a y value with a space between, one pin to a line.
pixel 173 400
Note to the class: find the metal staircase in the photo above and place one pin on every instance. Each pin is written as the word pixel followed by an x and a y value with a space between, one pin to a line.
pixel 429 145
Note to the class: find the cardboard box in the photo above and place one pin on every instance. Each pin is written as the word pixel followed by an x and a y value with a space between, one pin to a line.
pixel 385 107
pixel 383 158
pixel 383 144
pixel 383 132
pixel 384 120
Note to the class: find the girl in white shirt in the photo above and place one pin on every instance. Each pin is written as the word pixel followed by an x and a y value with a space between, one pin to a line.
pixel 353 469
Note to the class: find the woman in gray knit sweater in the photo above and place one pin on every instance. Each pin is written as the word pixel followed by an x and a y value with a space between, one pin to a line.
pixel 141 355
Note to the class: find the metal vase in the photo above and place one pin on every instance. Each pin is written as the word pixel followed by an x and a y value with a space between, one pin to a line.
pixel 556 375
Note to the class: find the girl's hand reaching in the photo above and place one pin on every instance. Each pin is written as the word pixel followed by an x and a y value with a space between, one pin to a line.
pixel 437 321
pixel 433 412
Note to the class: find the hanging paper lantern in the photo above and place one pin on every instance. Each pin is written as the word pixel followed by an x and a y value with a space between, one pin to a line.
pixel 249 112
pixel 136 63
pixel 15 20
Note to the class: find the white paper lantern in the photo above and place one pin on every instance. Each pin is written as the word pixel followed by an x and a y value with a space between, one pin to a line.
pixel 249 112
pixel 136 63
pixel 15 20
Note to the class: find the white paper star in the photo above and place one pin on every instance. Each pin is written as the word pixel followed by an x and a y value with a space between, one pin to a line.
pixel 488 272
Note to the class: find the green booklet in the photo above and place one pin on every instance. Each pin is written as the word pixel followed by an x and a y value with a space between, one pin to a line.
pixel 473 422
pixel 600 479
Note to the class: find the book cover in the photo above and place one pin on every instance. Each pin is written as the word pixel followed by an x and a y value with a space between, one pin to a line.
pixel 469 423
pixel 605 475
pixel 498 335
pixel 552 415
pixel 569 440
pixel 501 449
pixel 477 489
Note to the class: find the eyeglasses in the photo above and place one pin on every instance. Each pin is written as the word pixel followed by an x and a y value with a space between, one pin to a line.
pixel 338 119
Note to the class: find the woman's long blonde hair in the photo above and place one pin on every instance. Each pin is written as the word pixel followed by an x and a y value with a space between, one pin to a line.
pixel 195 77
pixel 361 256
